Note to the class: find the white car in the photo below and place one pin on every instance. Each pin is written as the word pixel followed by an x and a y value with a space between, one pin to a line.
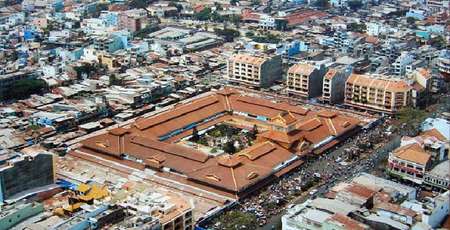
pixel 312 192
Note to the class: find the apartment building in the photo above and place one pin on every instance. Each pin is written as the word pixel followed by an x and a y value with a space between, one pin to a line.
pixel 334 85
pixel 305 80
pixel 377 93
pixel 421 79
pixel 400 66
pixel 36 171
pixel 133 20
pixel 443 64
pixel 8 79
pixel 252 70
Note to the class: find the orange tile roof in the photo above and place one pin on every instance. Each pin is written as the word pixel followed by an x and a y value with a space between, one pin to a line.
pixel 434 133
pixel 347 222
pixel 285 117
pixel 248 59
pixel 254 166
pixel 360 190
pixel 395 208
pixel 304 16
pixel 232 173
pixel 413 153
pixel 379 83
pixel 303 69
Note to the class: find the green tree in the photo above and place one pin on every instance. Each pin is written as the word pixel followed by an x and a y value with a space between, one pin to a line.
pixel 410 120
pixel 142 4
pixel 229 147
pixel 268 38
pixel 217 17
pixel 355 27
pixel 235 19
pixel 22 89
pixel 249 34
pixel 256 2
pixel 177 5
pixel 254 131
pixel 203 15
pixel 227 34
pixel 195 137
pixel 234 220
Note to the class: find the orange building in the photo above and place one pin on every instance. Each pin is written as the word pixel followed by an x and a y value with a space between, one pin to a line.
pixel 377 94
pixel 287 133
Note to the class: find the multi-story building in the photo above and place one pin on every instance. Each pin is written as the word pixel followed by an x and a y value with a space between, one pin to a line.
pixel 375 29
pixel 410 162
pixel 421 86
pixel 399 67
pixel 321 214
pixel 438 5
pixel 334 85
pixel 258 71
pixel 305 80
pixel 35 171
pixel 439 176
pixel 432 210
pixel 338 3
pixel 346 41
pixel 8 79
pixel 377 93
pixel 108 44
pixel 133 20
pixel 444 64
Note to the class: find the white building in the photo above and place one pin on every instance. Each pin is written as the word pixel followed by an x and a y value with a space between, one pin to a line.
pixel 433 210
pixel 375 29
pixel 400 65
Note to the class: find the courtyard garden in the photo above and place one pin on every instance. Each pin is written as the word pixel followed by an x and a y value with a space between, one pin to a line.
pixel 224 138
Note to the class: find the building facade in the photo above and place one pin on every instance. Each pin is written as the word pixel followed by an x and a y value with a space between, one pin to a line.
pixel 334 85
pixel 305 80
pixel 35 171
pixel 377 94
pixel 258 71
pixel 410 162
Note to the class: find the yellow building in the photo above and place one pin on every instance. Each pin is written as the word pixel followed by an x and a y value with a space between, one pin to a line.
pixel 377 93
pixel 258 71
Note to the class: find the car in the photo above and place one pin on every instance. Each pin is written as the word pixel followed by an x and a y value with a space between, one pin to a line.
pixel 312 192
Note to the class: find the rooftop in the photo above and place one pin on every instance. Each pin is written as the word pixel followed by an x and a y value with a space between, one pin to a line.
pixel 412 153
pixel 152 141
pixel 393 85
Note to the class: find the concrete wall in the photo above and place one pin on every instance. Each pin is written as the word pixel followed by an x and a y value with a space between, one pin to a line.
pixel 21 214
pixel 33 173
pixel 270 71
